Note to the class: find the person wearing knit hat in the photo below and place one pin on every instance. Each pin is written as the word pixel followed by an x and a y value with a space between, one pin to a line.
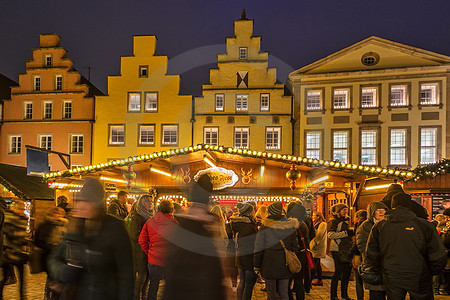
pixel 336 209
pixel 245 209
pixel 405 200
pixel 275 209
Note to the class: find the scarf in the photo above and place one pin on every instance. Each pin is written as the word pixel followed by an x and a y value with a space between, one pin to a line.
pixel 142 210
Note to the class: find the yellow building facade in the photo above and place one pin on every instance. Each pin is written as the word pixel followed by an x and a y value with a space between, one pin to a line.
pixel 244 106
pixel 376 102
pixel 143 111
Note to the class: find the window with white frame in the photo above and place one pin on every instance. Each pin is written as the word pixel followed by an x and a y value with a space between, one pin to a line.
pixel 48 109
pixel 15 144
pixel 241 102
pixel 28 110
pixel 67 113
pixel 398 95
pixel 134 101
pixel 273 138
pixel 117 135
pixel 48 60
pixel 170 134
pixel 37 83
pixel 429 94
pixel 242 52
pixel 341 98
pixel 241 135
pixel 340 146
pixel 313 144
pixel 397 147
pixel 428 145
pixel 151 101
pixel 368 147
pixel 369 97
pixel 219 102
pixel 146 134
pixel 76 143
pixel 58 82
pixel 314 100
pixel 211 136
pixel 45 141
pixel 265 102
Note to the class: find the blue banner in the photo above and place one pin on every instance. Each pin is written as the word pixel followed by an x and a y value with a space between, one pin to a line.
pixel 37 163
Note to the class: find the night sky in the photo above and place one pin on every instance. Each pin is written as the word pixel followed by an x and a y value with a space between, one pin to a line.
pixel 192 32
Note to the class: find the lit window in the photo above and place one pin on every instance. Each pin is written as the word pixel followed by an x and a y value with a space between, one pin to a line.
pixel 219 101
pixel 67 110
pixel 428 145
pixel 265 99
pixel 273 138
pixel 143 71
pixel 341 98
pixel 28 110
pixel 369 97
pixel 397 147
pixel 211 136
pixel 58 82
pixel 48 61
pixel 170 134
pixel 398 95
pixel 429 94
pixel 48 110
pixel 146 134
pixel 37 83
pixel 242 52
pixel 117 135
pixel 134 101
pixel 45 141
pixel 368 147
pixel 15 144
pixel 76 143
pixel 340 146
pixel 241 102
pixel 241 137
pixel 313 144
pixel 151 101
pixel 314 100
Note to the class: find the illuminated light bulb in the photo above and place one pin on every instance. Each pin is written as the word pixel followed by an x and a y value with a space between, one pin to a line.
pixel 378 170
pixel 391 171
pixel 409 174
pixel 220 148
pixel 397 172
pixel 283 157
pixel 331 163
pixel 360 167
pixel 354 166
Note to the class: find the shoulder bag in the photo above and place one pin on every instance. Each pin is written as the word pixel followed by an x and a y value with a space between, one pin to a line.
pixel 292 260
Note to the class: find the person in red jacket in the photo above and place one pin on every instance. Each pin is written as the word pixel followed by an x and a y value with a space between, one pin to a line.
pixel 153 242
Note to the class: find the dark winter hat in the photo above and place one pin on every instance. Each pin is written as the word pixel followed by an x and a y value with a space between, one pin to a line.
pixel 275 209
pixel 335 209
pixel 92 191
pixel 201 190
pixel 244 208
pixel 296 210
pixel 395 187
pixel 401 199
pixel 447 212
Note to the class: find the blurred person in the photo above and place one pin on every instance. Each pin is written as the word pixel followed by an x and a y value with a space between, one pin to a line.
pixel 153 241
pixel 63 203
pixel 244 231
pixel 219 231
pixel 318 246
pixel 341 244
pixel 117 207
pixel 441 222
pixel 297 210
pixel 2 223
pixel 406 250
pixel 444 284
pixel 15 253
pixel 360 217
pixel 270 257
pixel 230 268
pixel 375 213
pixel 140 213
pixel 193 269
pixel 261 214
pixel 94 260
pixel 177 210
pixel 48 235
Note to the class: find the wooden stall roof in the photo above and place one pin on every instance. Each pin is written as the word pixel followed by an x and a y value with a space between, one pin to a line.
pixel 435 185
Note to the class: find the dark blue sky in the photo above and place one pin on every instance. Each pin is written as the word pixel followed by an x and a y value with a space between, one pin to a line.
pixel 192 32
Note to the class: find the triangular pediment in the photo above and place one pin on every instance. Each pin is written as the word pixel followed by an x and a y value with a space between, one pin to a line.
pixel 389 54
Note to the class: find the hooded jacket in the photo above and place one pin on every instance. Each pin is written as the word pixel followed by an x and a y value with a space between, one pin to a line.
pixel 338 230
pixel 153 237
pixel 269 254
pixel 392 190
pixel 406 249
pixel 244 231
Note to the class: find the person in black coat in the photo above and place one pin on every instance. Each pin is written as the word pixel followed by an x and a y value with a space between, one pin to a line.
pixel 416 208
pixel 269 256
pixel 406 250
pixel 244 230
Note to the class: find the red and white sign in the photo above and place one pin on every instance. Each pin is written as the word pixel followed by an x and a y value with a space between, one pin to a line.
pixel 220 177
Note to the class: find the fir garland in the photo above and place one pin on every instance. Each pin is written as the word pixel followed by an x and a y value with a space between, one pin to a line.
pixel 13 190
pixel 432 170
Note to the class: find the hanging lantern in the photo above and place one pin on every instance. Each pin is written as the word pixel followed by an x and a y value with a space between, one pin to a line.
pixel 292 175
pixel 129 176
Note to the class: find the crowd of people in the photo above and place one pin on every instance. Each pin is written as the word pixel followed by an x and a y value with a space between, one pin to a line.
pixel 205 251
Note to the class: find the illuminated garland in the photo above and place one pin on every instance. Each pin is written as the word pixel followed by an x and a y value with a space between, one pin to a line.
pixel 432 170
pixel 13 190
pixel 288 159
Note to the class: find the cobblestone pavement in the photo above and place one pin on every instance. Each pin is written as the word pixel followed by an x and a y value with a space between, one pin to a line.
pixel 35 290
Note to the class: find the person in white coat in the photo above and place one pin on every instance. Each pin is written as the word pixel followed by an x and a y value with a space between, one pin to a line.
pixel 318 246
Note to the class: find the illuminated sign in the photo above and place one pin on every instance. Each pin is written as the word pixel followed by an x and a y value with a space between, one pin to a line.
pixel 221 178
